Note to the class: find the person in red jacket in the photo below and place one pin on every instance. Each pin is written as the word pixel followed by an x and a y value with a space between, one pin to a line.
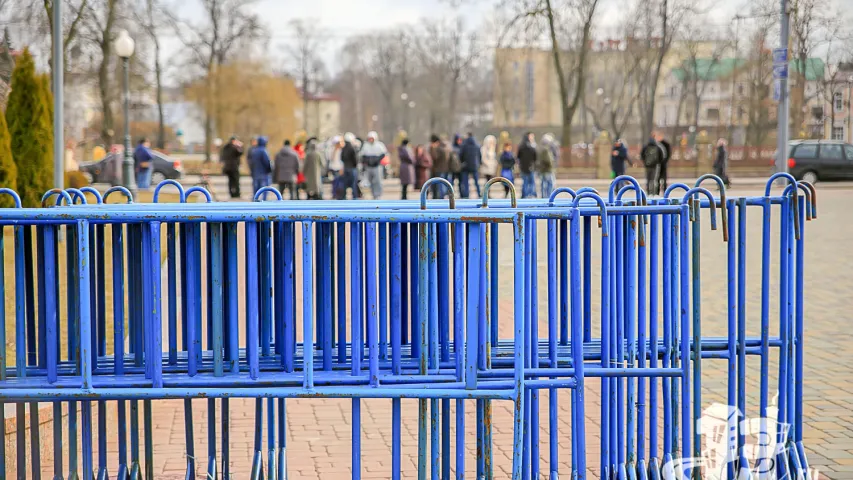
pixel 300 177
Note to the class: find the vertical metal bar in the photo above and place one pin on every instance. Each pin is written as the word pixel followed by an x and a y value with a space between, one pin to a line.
pixel 553 334
pixel 578 420
pixel 226 440
pixel 420 276
pixel 534 347
pixel 233 315
pixel 741 317
pixel 271 456
pixel 631 320
pixel 342 292
pixel 252 306
pixel 149 439
pixel 134 438
pixel 171 246
pixel 642 320
pixel 211 417
pixel 404 280
pixel 266 266
pixel 102 439
pixel 383 291
pixel 3 360
pixel 587 278
pixel 326 296
pixel 607 454
pixel 101 301
pixel 784 249
pixel 519 294
pixel 473 306
pixel 458 343
pixel 494 252
pixel 308 305
pixel 282 439
pixel 414 293
pixel 697 332
pixel 653 239
pixel 192 297
pixel 289 300
pixel 684 270
pixel 49 274
pixel 30 298
pixel 279 291
pixel 216 286
pixel 156 326
pixel 372 317
pixel 732 328
pixel 83 266
pixel 396 324
pixel 88 467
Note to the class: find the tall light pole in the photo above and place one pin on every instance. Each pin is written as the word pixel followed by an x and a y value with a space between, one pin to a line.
pixel 780 61
pixel 124 46
pixel 850 109
pixel 58 82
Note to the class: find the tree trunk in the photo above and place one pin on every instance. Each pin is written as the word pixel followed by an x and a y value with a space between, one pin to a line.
pixel 106 45
pixel 161 127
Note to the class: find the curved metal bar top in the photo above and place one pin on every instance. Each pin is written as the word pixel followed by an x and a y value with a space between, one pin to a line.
pixel 94 193
pixel 674 187
pixel 813 197
pixel 792 181
pixel 77 194
pixel 611 192
pixel 807 192
pixel 601 205
pixel 56 191
pixel 200 190
pixel 261 195
pixel 119 189
pixel 181 194
pixel 15 197
pixel 724 210
pixel 559 191
pixel 712 204
pixel 507 183
pixel 425 189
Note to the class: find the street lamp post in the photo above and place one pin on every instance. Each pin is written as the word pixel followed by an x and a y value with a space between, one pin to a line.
pixel 850 109
pixel 124 47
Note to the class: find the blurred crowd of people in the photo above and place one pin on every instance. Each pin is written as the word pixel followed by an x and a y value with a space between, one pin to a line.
pixel 350 164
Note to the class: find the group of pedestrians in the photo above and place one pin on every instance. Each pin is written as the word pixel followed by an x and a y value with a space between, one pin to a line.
pixel 464 161
pixel 295 168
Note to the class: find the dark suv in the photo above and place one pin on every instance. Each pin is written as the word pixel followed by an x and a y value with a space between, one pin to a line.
pixel 824 160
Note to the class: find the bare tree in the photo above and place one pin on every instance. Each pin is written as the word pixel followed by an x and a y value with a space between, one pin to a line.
pixel 305 56
pixel 100 31
pixel 226 26
pixel 447 51
pixel 147 16
pixel 568 25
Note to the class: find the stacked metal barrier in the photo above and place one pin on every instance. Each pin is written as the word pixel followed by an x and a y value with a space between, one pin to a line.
pixel 401 300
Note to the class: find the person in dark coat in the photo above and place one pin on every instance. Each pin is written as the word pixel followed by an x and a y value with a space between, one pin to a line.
pixel 259 163
pixel 286 169
pixel 507 162
pixel 653 155
pixel 230 156
pixel 407 167
pixel 721 162
pixel 349 157
pixel 423 164
pixel 144 162
pixel 527 163
pixel 618 158
pixel 663 175
pixel 440 165
pixel 469 157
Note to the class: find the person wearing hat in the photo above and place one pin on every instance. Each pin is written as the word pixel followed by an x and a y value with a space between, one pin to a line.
pixel 372 153
pixel 349 157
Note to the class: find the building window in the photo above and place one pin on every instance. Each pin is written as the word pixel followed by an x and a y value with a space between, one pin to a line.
pixel 838 101
pixel 740 89
pixel 529 90
pixel 673 92
pixel 713 114
pixel 817 112
pixel 741 112
pixel 838 133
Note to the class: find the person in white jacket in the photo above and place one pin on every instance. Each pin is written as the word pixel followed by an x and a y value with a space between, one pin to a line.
pixel 372 153
pixel 489 158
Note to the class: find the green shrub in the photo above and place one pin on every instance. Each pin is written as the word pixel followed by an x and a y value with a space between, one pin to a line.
pixel 28 115
pixel 8 169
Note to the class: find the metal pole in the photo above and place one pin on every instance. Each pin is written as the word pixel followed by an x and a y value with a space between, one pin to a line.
pixel 58 81
pixel 850 110
pixel 783 111
pixel 127 164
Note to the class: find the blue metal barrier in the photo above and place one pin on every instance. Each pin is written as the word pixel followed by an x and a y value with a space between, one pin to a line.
pixel 397 300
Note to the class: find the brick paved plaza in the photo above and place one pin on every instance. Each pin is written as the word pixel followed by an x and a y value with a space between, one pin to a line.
pixel 319 431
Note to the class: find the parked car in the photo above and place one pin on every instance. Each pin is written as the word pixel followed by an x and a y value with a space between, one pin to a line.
pixel 820 160
pixel 109 170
